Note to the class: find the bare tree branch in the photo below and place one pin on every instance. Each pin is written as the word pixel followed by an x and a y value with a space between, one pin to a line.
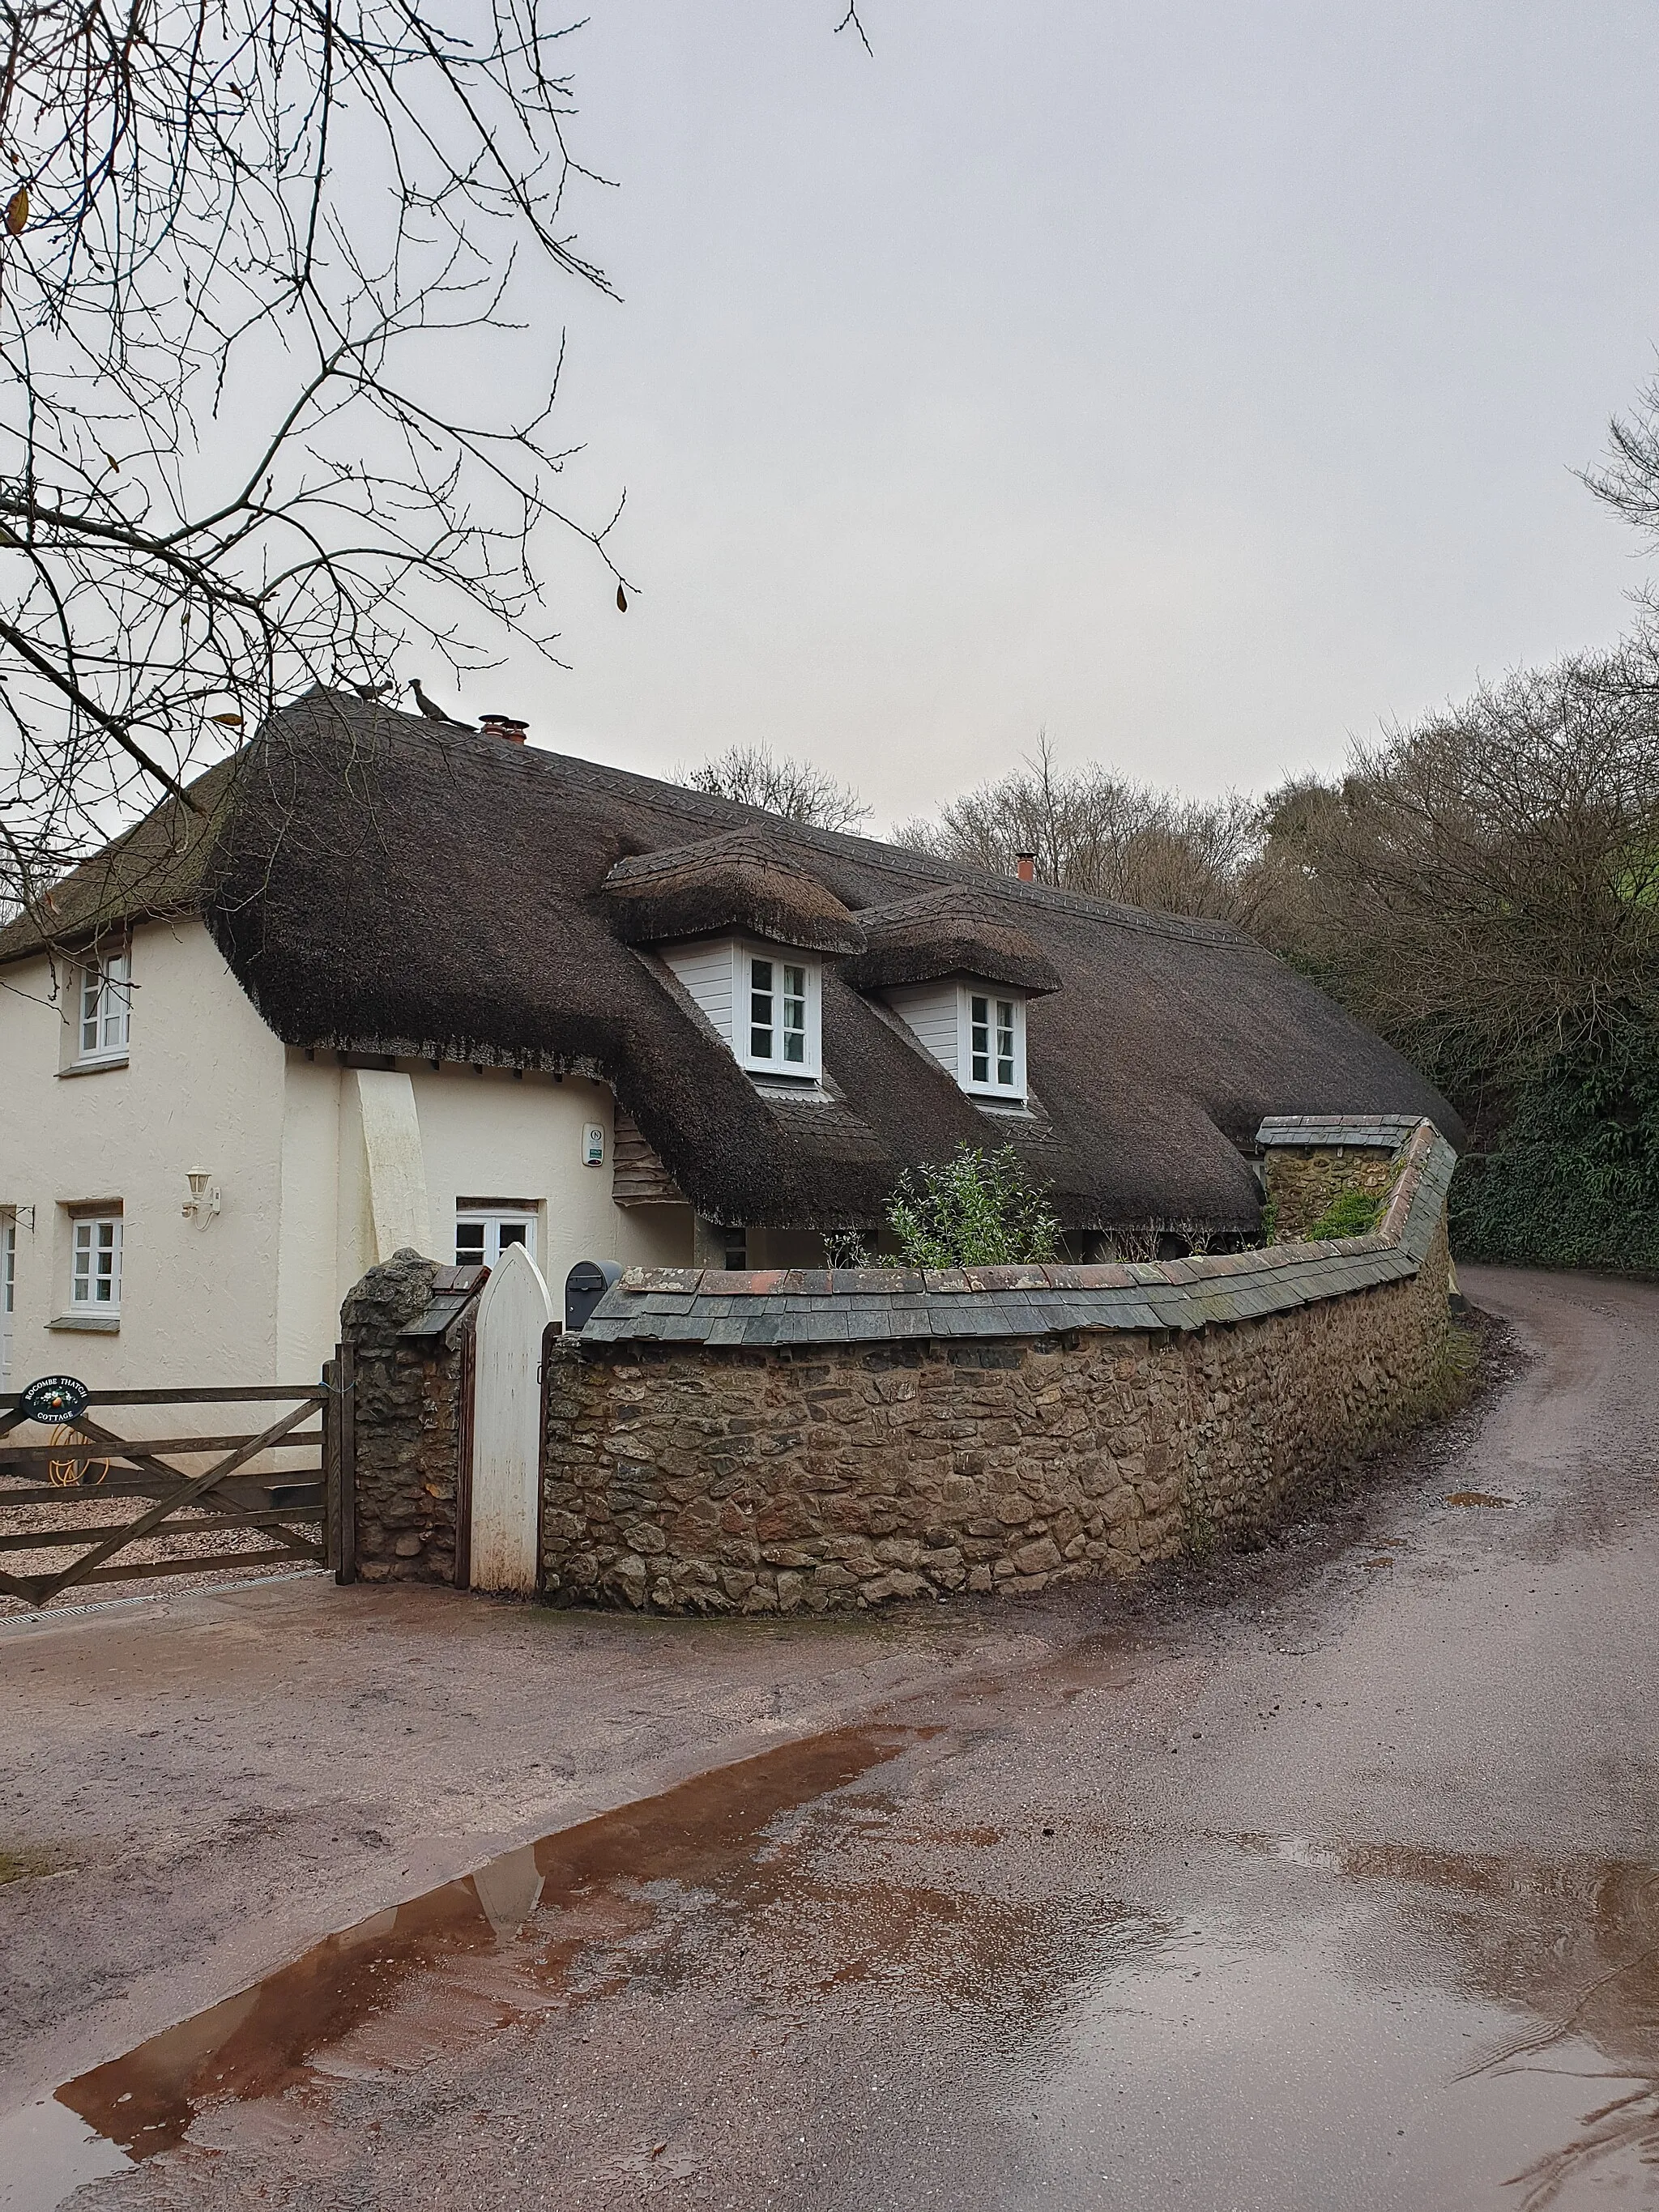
pixel 795 789
pixel 1484 886
pixel 1091 832
pixel 270 274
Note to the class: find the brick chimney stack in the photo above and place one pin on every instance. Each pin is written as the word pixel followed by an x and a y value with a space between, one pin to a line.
pixel 1025 867
pixel 504 726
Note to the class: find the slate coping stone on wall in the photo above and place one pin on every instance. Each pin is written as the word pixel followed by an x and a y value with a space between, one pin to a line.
pixel 452 1291
pixel 798 1305
pixel 1323 1131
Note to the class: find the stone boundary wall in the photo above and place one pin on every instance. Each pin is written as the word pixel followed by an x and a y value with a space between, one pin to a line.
pixel 772 1442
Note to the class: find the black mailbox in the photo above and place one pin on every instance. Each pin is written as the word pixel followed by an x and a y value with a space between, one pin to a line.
pixel 584 1286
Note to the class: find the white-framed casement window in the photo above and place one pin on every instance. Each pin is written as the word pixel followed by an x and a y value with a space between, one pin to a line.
pixel 993 1042
pixel 95 1264
pixel 104 1009
pixel 777 1012
pixel 483 1232
pixel 763 1001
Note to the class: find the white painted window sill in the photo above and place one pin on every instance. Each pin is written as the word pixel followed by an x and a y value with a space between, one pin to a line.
pixel 804 1090
pixel 94 1066
pixel 90 1324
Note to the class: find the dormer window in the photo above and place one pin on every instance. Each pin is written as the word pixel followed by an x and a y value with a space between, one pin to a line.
pixel 975 1029
pixel 993 1058
pixel 764 999
pixel 958 969
pixel 742 926
pixel 780 1029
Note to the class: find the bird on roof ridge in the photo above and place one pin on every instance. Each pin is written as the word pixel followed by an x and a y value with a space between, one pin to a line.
pixel 429 707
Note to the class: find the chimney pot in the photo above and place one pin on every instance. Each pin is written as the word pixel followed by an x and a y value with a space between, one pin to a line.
pixel 1025 867
pixel 506 725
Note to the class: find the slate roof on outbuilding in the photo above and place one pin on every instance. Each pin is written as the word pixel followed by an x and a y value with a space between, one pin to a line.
pixel 384 885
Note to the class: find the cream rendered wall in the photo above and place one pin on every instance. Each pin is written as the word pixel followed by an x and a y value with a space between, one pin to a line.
pixel 497 1136
pixel 315 1243
pixel 254 1296
pixel 487 1135
pixel 203 1087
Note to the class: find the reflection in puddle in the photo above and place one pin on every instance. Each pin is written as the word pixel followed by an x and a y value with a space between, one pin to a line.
pixel 1577 1943
pixel 1218 2073
pixel 47 2152
pixel 489 1948
pixel 1376 2025
pixel 1427 2028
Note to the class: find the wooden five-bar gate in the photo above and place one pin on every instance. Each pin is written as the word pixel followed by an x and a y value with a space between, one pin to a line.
pixel 285 1506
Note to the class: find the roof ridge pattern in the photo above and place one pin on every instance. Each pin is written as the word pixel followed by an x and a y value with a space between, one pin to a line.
pixel 733 814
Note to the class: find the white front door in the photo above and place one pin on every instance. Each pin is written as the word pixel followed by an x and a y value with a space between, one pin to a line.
pixel 513 1316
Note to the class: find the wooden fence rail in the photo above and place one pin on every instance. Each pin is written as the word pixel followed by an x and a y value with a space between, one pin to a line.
pixel 293 1509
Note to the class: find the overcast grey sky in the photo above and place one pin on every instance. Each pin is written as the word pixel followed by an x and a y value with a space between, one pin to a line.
pixel 1199 381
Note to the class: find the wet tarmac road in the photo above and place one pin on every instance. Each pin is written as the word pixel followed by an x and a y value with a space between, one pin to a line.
pixel 1334 1887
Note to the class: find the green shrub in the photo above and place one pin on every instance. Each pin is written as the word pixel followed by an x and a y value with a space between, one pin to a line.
pixel 978 1210
pixel 1352 1212
pixel 1574 1179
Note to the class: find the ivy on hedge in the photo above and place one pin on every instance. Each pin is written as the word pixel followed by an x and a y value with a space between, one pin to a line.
pixel 1574 1181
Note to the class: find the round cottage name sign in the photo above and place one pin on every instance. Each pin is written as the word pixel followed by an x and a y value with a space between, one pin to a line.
pixel 54 1398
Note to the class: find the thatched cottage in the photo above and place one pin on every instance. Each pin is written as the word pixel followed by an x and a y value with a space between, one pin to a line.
pixel 405 983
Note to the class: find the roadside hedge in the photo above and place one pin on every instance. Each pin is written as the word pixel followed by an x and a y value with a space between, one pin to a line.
pixel 1573 1179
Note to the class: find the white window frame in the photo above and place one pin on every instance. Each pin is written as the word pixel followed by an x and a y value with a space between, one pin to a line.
pixel 809 1066
pixel 996 996
pixel 493 1219
pixel 8 1289
pixel 88 1237
pixel 103 1003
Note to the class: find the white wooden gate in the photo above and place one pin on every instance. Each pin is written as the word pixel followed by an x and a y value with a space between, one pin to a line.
pixel 513 1314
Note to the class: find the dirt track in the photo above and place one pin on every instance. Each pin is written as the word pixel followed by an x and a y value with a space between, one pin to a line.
pixel 1333 1885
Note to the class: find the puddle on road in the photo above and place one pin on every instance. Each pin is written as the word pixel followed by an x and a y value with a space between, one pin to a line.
pixel 470 1943
pixel 1479 1498
pixel 1421 2029
pixel 1363 2023
pixel 413 1984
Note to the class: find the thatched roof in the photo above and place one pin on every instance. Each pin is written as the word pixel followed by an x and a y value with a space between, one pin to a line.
pixel 737 881
pixel 380 884
pixel 154 868
pixel 948 932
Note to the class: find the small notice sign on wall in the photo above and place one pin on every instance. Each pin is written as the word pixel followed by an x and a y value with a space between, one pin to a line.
pixel 593 1145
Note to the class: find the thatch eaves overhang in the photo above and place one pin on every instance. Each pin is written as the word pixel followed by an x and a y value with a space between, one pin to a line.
pixel 738 882
pixel 153 869
pixel 947 932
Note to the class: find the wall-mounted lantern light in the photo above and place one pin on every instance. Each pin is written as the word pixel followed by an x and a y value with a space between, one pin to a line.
pixel 204 1201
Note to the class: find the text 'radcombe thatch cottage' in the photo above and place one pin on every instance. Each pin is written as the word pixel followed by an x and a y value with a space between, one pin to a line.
pixel 402 984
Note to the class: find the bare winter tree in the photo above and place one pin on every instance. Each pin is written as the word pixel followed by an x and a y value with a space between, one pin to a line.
pixel 1628 481
pixel 258 255
pixel 1484 886
pixel 1092 832
pixel 754 777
